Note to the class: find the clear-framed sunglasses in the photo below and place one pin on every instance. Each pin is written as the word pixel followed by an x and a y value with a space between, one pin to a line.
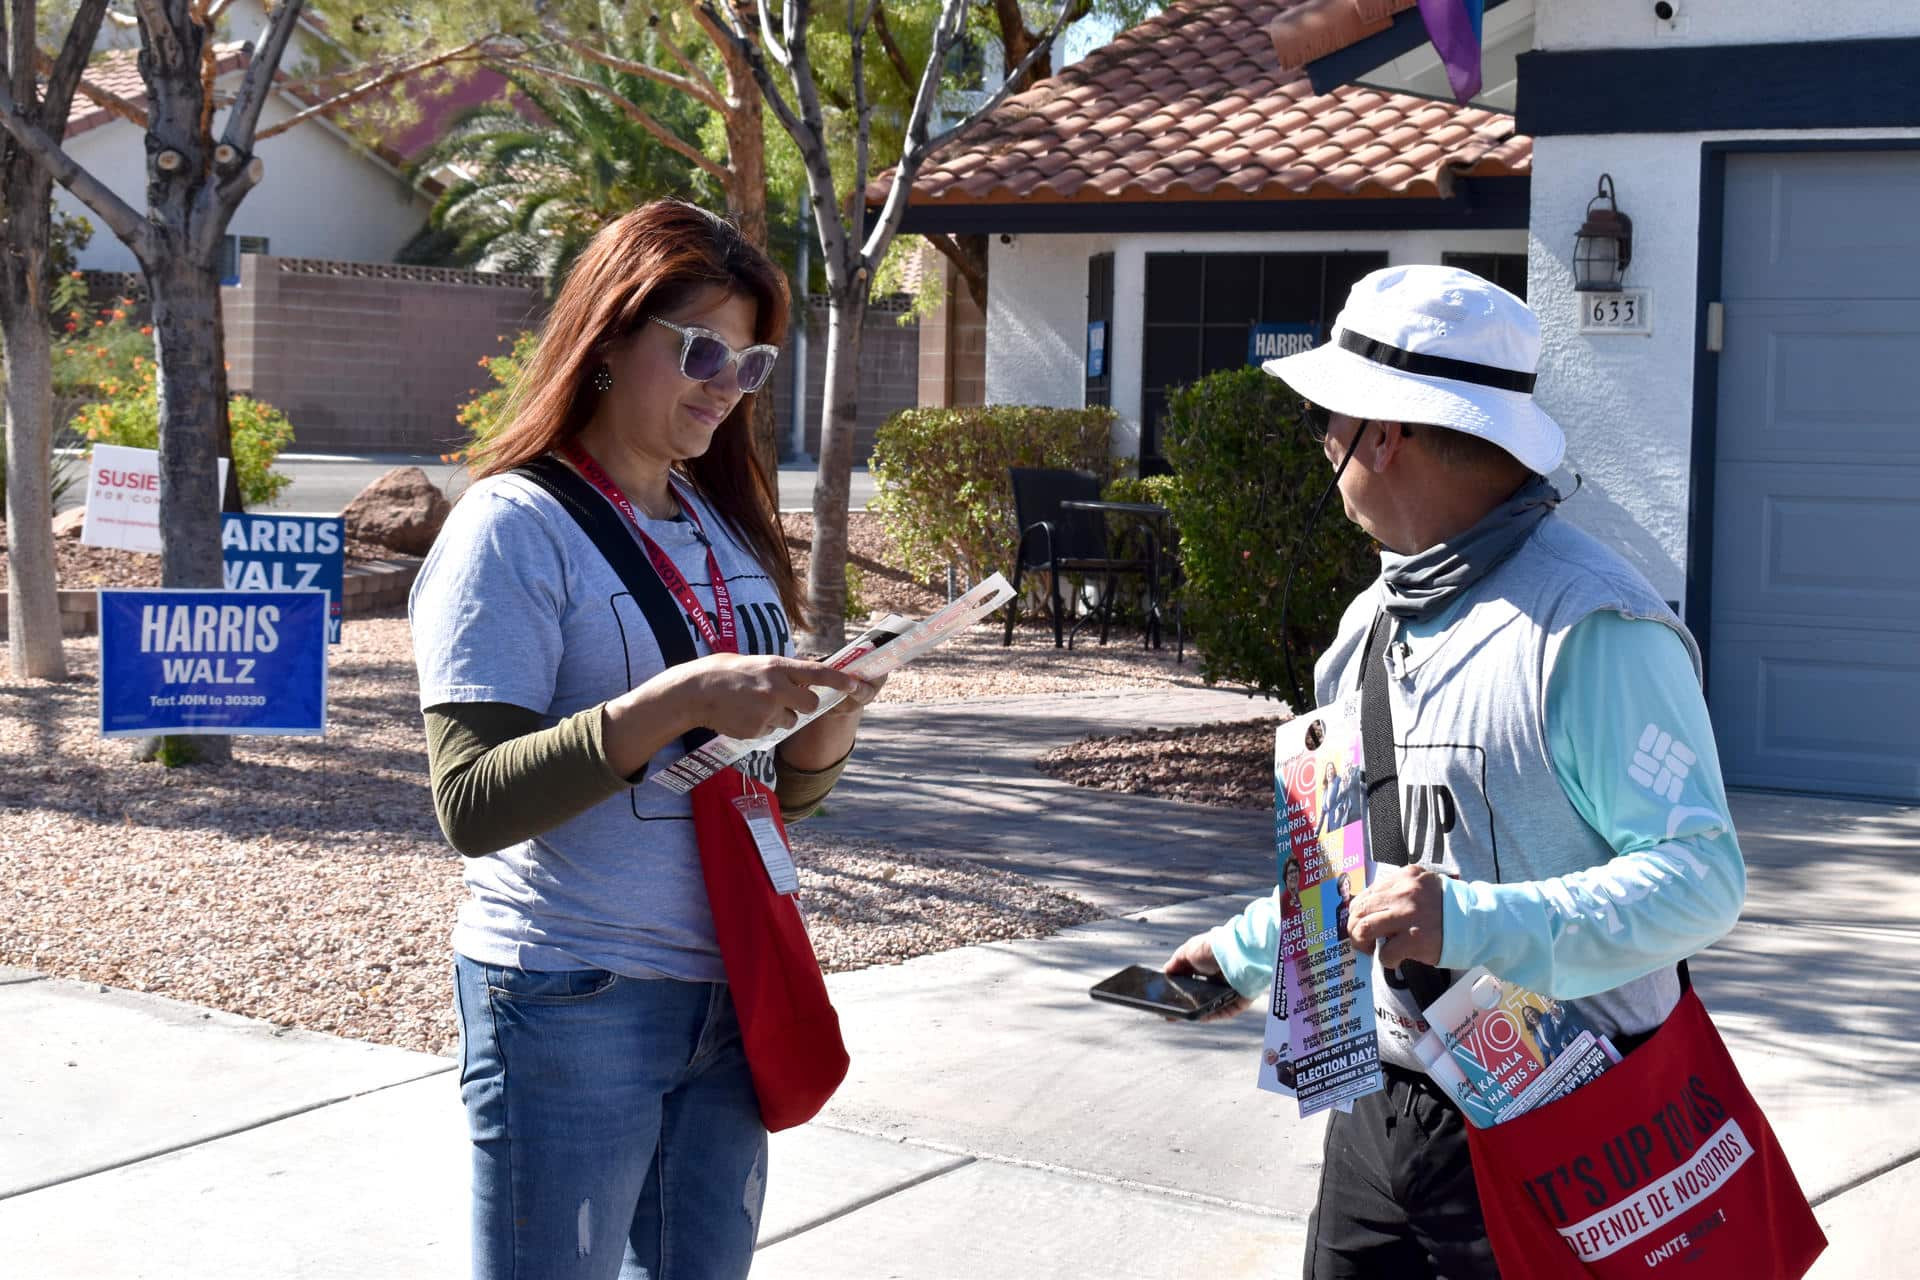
pixel 704 353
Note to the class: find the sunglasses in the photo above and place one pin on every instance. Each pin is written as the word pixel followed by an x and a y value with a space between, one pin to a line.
pixel 1318 421
pixel 703 354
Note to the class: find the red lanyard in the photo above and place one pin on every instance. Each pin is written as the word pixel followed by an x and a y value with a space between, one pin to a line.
pixel 721 639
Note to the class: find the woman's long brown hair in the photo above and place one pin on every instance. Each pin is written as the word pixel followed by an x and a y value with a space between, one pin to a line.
pixel 649 261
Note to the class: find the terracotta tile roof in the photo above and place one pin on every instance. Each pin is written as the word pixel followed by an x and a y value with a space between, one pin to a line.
pixel 1313 29
pixel 118 72
pixel 1193 105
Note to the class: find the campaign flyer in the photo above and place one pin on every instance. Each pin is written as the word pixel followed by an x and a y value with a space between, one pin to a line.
pixel 1321 1012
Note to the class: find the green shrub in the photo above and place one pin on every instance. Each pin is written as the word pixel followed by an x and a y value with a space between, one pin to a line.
pixel 1247 476
pixel 941 484
pixel 855 609
pixel 131 416
pixel 486 413
pixel 1127 540
pixel 64 476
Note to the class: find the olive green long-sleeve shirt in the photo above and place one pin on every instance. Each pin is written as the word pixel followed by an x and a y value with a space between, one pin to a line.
pixel 500 778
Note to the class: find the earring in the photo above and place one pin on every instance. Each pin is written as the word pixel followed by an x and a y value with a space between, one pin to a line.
pixel 603 379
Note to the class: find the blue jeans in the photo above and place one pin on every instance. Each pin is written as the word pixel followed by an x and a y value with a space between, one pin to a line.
pixel 615 1128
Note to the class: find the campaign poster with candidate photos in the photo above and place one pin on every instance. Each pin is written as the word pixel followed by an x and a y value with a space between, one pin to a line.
pixel 1324 984
pixel 213 662
pixel 286 553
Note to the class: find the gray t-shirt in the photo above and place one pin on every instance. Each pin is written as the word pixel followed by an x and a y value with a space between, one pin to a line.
pixel 515 604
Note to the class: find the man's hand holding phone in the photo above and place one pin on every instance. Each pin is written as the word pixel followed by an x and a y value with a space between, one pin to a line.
pixel 1195 955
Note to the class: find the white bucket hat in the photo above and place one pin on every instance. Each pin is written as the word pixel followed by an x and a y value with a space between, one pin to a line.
pixel 1433 345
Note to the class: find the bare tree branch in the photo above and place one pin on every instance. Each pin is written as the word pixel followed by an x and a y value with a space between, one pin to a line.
pixel 665 136
pixel 1000 95
pixel 121 217
pixel 953 15
pixel 728 27
pixel 701 91
pixel 688 65
pixel 897 59
pixel 471 51
pixel 156 31
pixel 21 60
pixel 968 255
pixel 862 112
pixel 244 118
pixel 770 42
pixel 68 71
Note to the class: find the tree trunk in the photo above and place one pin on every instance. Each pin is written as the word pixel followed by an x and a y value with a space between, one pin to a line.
pixel 33 603
pixel 186 302
pixel 827 569
pixel 230 499
pixel 747 204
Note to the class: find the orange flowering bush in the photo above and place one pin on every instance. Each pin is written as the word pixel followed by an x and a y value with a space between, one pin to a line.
pixel 96 354
pixel 485 414
pixel 130 415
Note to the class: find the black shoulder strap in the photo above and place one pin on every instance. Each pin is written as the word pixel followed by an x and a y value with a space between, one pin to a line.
pixel 1386 839
pixel 602 524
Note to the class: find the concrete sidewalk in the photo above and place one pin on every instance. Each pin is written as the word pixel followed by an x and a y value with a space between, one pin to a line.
pixel 996 1123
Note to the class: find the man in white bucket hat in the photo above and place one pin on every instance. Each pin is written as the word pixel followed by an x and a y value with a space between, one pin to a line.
pixel 1543 792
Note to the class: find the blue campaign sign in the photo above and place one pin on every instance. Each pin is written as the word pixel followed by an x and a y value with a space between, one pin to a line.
pixel 287 553
pixel 1271 341
pixel 228 662
pixel 1096 349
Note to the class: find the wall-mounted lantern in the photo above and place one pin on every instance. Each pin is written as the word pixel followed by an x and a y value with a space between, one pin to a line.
pixel 1604 246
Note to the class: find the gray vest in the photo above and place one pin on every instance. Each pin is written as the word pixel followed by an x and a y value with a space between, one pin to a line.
pixel 1478 795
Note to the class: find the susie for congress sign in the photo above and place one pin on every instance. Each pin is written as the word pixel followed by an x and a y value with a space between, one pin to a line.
pixel 222 662
pixel 287 553
pixel 123 498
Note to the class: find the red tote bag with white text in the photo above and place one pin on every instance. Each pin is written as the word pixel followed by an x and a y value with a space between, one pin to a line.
pixel 1664 1167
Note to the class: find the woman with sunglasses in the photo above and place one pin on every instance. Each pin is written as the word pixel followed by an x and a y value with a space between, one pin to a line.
pixel 614 1122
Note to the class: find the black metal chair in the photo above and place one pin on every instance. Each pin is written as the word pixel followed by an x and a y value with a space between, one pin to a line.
pixel 1063 541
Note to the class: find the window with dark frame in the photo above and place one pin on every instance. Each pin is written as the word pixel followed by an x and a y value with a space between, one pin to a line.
pixel 1201 309
pixel 231 247
pixel 1099 312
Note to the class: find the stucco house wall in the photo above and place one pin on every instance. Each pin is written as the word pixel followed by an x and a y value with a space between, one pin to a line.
pixel 1627 402
pixel 320 197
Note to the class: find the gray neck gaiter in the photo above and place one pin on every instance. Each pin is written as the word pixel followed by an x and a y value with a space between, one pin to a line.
pixel 1420 585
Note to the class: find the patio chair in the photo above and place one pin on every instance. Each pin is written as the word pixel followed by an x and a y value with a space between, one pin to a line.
pixel 1063 541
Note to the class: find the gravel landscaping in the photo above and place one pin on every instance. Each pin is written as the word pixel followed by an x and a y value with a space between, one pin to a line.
pixel 306 882
pixel 1229 765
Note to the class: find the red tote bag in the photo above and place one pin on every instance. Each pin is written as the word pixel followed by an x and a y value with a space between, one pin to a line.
pixel 788 1026
pixel 1664 1167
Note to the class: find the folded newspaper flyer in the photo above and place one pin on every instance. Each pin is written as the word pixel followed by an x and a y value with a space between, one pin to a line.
pixel 1321 1047
pixel 884 647
pixel 1500 1050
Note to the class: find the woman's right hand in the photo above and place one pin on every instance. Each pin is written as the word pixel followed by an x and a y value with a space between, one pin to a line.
pixel 742 696
pixel 746 697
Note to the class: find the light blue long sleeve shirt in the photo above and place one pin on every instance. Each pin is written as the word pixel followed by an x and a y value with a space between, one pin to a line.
pixel 1637 760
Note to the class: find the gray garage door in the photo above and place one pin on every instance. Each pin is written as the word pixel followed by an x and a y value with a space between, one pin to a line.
pixel 1815 631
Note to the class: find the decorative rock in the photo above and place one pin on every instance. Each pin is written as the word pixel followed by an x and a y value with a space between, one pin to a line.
pixel 402 510
pixel 67 523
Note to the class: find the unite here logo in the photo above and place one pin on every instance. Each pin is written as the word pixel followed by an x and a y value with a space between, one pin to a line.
pixel 1662 763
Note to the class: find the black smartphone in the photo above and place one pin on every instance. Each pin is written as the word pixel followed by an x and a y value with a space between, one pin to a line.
pixel 1182 995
